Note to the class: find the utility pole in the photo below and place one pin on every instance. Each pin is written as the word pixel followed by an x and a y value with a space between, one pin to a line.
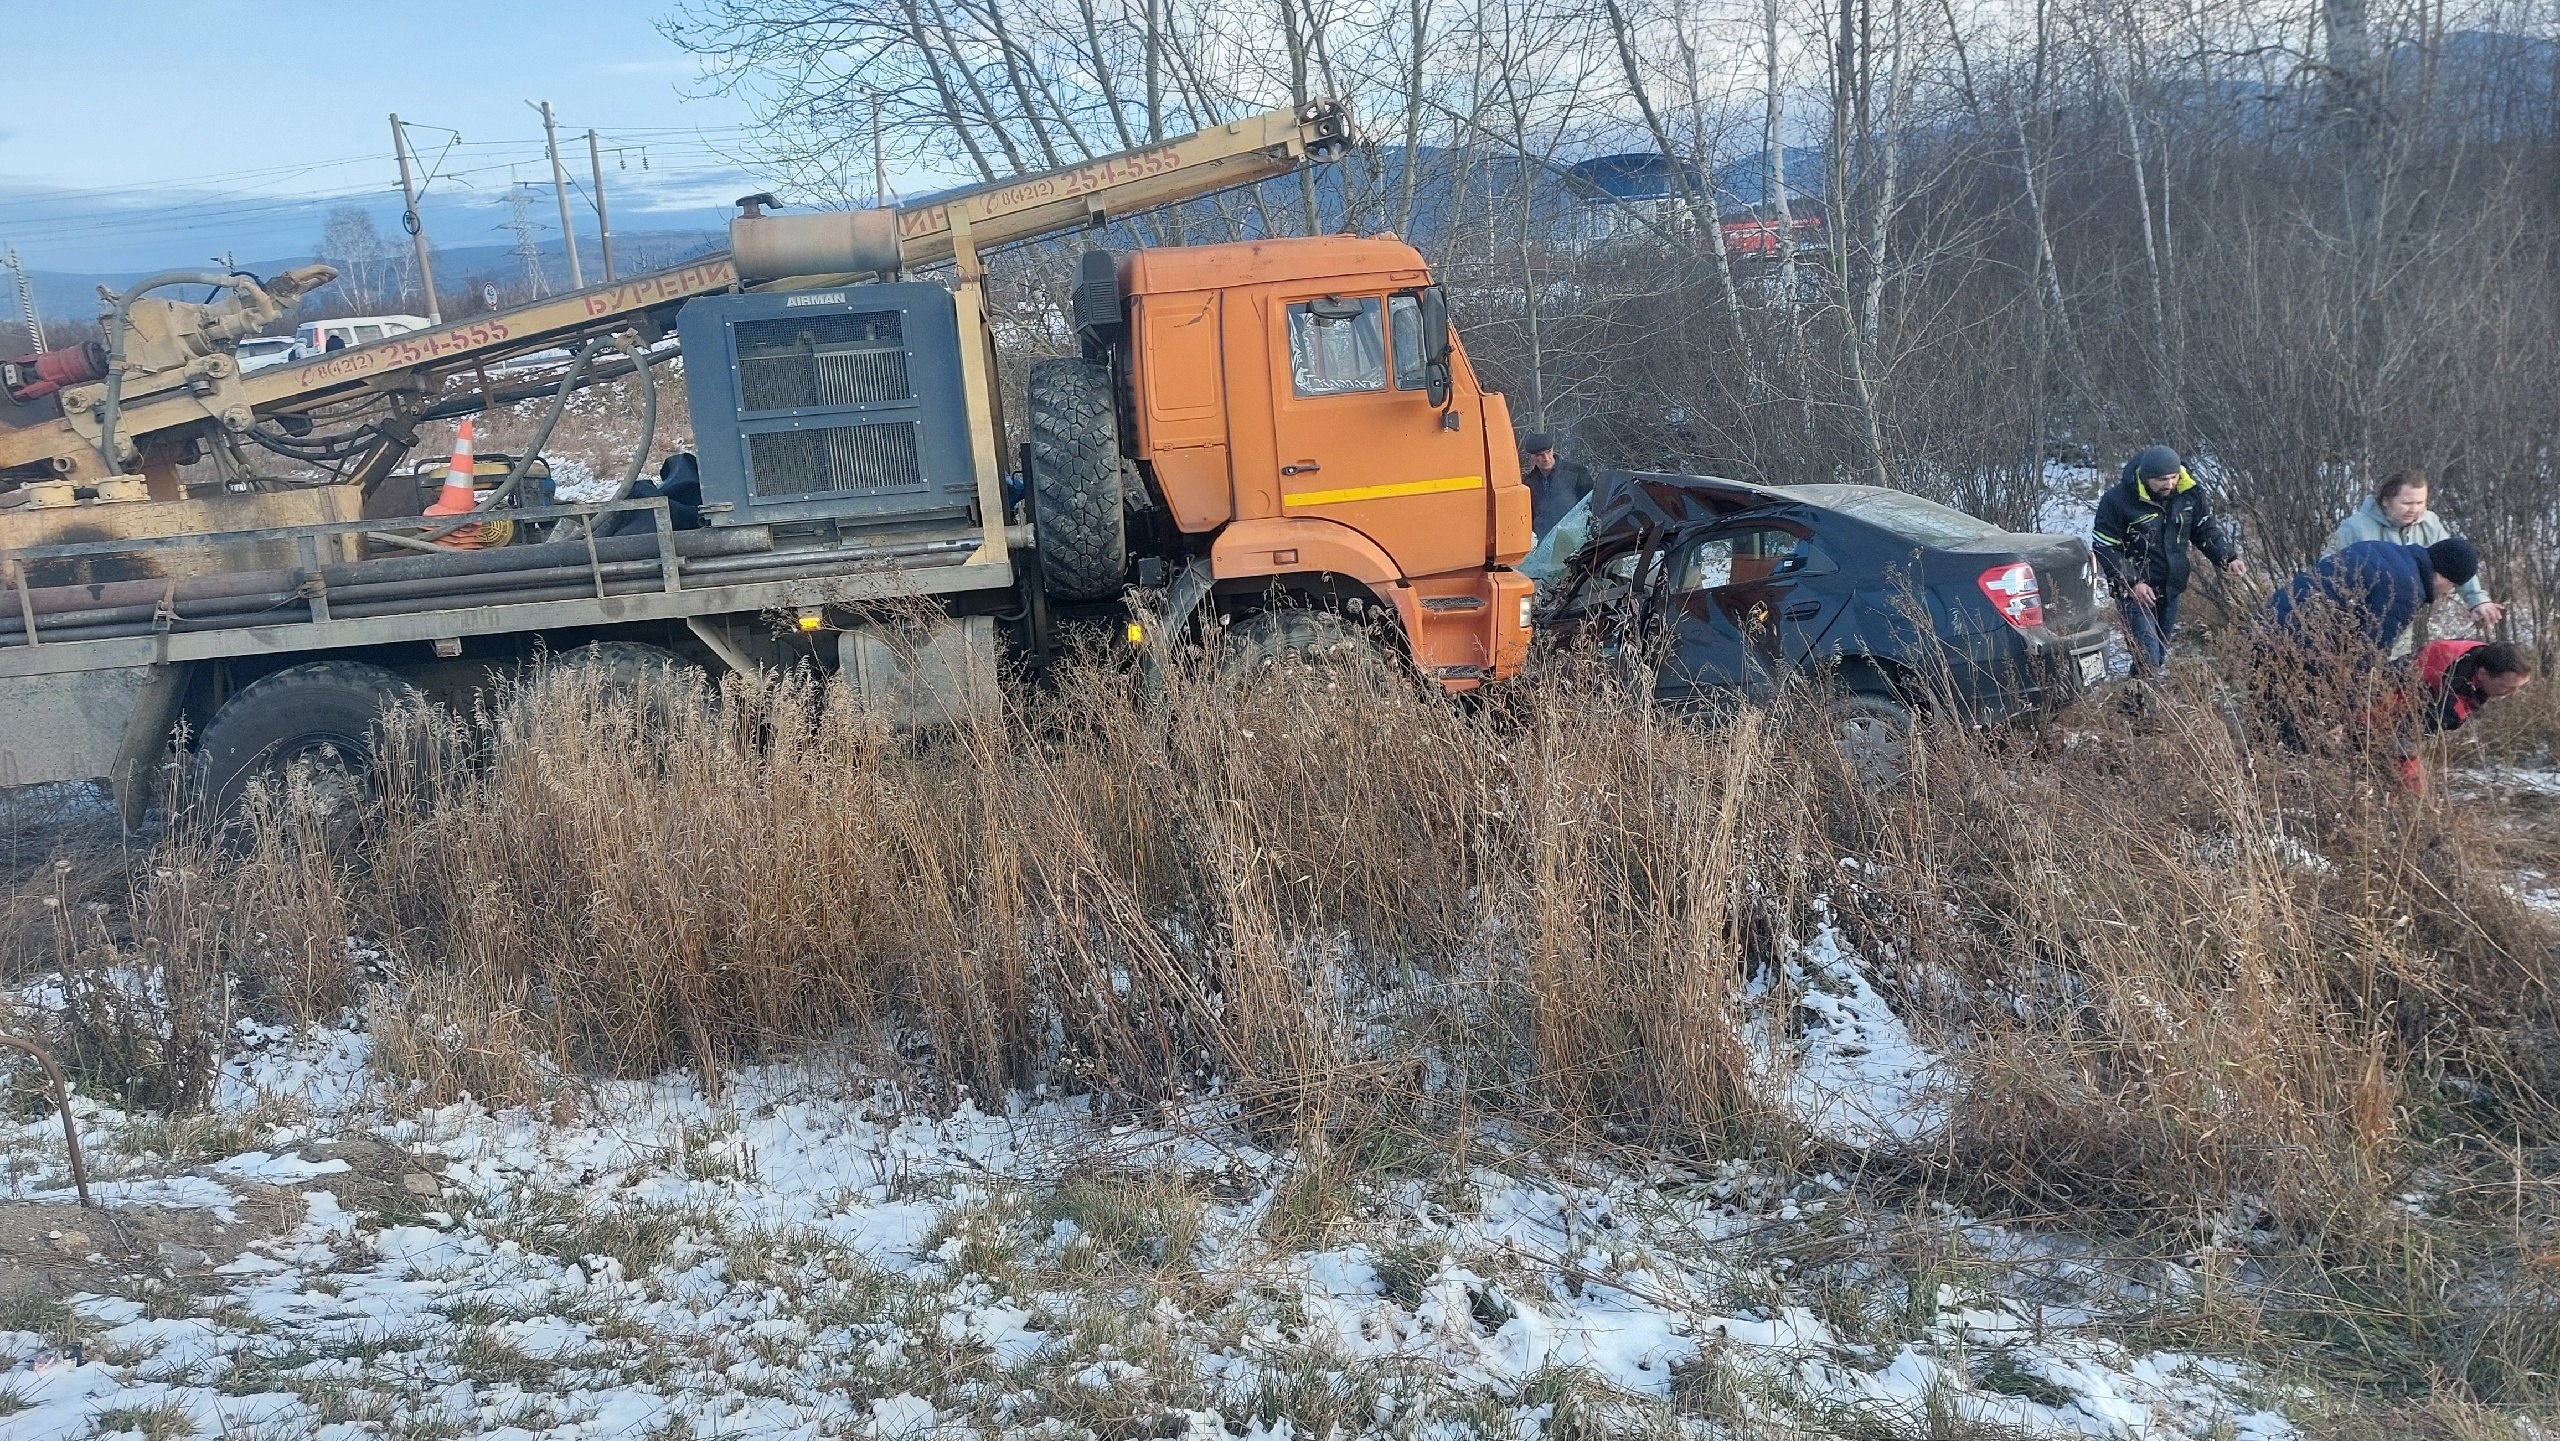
pixel 410 222
pixel 560 189
pixel 879 165
pixel 26 298
pixel 604 227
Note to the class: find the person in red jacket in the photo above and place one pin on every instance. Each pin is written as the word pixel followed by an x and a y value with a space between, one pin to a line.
pixel 2450 681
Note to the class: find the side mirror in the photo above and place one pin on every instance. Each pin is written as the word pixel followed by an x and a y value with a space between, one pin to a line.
pixel 1433 311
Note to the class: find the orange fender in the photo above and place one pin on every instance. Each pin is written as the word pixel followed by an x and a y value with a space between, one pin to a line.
pixel 1464 627
pixel 1302 545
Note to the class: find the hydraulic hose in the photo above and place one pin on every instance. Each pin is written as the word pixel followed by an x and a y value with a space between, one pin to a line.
pixel 639 354
pixel 506 489
pixel 648 416
pixel 113 408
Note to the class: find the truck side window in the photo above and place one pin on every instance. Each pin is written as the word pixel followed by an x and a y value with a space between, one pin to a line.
pixel 1404 330
pixel 1337 346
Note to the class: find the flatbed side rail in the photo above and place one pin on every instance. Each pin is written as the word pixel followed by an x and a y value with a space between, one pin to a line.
pixel 424 524
pixel 543 585
pixel 307 585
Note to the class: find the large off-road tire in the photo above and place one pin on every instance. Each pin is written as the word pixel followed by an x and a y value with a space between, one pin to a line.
pixel 1076 498
pixel 322 716
pixel 666 687
pixel 1284 639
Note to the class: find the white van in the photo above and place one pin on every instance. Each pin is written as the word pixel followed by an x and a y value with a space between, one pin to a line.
pixel 264 352
pixel 318 337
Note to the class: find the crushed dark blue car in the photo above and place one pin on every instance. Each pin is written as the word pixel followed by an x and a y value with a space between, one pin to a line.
pixel 1715 592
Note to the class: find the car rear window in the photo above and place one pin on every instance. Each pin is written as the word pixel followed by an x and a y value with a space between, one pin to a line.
pixel 1905 515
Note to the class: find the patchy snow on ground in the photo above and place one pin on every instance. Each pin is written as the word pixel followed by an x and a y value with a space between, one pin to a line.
pixel 810 1253
pixel 2071 495
pixel 574 482
pixel 2538 889
pixel 2510 780
pixel 1840 1061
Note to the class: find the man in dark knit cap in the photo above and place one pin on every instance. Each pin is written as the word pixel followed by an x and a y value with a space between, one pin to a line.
pixel 2146 523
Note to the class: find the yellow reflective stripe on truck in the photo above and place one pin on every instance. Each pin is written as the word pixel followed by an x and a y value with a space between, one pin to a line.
pixel 1383 492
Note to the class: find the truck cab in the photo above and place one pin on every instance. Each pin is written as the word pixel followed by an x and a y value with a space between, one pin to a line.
pixel 1303 424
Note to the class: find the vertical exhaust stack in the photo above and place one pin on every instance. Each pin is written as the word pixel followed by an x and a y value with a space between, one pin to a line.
pixel 834 242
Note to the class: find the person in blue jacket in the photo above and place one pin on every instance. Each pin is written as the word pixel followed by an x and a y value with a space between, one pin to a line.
pixel 2331 626
pixel 2373 588
pixel 2146 521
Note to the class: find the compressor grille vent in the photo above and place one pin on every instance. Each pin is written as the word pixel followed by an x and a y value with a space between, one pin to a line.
pixel 823 361
pixel 856 458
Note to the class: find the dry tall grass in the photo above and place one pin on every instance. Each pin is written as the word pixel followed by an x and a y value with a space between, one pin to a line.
pixel 2195 987
pixel 1305 904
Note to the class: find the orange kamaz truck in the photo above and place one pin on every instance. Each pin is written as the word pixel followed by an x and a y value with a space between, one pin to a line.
pixel 1288 433
pixel 1283 436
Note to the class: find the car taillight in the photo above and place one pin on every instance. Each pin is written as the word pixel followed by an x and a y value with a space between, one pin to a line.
pixel 2012 589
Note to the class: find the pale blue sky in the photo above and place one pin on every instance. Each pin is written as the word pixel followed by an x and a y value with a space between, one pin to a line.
pixel 183 126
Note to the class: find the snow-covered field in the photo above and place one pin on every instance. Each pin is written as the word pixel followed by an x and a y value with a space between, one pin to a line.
pixel 810 1253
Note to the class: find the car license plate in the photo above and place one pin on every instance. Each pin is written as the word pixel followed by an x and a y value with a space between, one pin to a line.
pixel 2093 667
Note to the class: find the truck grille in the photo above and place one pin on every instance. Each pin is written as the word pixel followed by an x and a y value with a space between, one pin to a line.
pixel 822 361
pixel 856 458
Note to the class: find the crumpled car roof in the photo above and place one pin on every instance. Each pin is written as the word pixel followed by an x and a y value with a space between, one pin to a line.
pixel 1627 505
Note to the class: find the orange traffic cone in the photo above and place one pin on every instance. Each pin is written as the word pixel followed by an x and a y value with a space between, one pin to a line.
pixel 457 497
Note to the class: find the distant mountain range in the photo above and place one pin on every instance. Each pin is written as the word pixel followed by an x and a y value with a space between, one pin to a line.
pixel 73 295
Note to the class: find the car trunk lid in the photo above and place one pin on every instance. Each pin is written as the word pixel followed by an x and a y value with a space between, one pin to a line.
pixel 2062 573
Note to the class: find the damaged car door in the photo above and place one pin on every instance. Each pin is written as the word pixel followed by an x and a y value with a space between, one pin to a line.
pixel 1743 605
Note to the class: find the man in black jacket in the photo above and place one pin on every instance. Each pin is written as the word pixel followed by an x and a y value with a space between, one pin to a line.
pixel 2146 521
pixel 1554 485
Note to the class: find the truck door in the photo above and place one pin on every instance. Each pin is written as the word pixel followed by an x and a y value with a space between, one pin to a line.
pixel 1744 605
pixel 1357 439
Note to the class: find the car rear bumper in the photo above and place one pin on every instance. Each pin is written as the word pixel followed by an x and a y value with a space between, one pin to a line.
pixel 1998 678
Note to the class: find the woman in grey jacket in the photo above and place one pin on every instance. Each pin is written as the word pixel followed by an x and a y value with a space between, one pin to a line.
pixel 2398 513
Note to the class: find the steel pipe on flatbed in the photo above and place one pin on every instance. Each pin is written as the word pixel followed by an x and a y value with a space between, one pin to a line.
pixel 14 627
pixel 151 590
pixel 233 612
pixel 514 586
pixel 648 585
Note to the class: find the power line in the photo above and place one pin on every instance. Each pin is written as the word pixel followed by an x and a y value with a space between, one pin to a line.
pixel 199 178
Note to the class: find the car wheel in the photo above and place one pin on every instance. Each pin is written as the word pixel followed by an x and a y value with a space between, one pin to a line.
pixel 1875 733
